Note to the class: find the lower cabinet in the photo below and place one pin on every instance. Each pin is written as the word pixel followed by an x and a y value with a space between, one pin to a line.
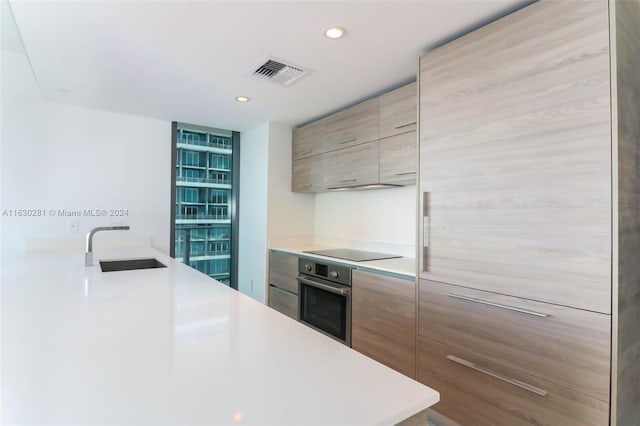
pixel 283 302
pixel 283 283
pixel 503 360
pixel 383 323
pixel 476 391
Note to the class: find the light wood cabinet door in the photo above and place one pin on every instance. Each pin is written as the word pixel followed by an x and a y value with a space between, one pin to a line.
pixel 383 324
pixel 515 157
pixel 308 140
pixel 479 392
pixel 398 111
pixel 283 271
pixel 306 174
pixel 566 346
pixel 283 302
pixel 398 159
pixel 353 166
pixel 353 126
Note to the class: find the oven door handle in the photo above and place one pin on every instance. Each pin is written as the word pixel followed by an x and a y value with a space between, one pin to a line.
pixel 330 289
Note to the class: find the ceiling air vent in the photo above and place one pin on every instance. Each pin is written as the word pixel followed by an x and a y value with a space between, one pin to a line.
pixel 278 71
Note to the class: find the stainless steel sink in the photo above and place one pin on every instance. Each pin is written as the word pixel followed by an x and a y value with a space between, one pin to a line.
pixel 130 264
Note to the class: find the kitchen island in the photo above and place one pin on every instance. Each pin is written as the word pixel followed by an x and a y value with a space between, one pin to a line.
pixel 172 346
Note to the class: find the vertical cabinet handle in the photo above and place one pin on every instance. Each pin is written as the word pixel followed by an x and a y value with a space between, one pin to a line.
pixel 426 227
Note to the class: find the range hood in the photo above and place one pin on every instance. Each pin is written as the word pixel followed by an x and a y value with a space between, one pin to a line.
pixel 364 187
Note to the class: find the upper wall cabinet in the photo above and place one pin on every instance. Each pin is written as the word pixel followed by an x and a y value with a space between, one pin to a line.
pixel 398 111
pixel 308 140
pixel 353 126
pixel 350 148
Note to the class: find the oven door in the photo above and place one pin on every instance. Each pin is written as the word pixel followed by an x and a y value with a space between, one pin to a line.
pixel 326 307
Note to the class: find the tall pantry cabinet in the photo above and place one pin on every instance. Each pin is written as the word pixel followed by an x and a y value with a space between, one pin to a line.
pixel 529 183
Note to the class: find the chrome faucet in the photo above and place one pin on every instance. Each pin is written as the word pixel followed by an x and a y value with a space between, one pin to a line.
pixel 88 252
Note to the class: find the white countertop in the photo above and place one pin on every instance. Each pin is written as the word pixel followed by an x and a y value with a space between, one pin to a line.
pixel 400 266
pixel 171 346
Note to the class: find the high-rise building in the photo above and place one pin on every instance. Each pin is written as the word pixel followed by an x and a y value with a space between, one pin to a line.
pixel 204 206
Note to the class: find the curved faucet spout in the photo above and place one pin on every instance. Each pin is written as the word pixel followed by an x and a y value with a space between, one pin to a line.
pixel 88 252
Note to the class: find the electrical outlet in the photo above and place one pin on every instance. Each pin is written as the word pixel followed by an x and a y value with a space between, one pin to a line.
pixel 251 285
pixel 73 225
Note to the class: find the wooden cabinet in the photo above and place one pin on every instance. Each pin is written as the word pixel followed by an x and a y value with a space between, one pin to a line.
pixel 308 140
pixel 397 162
pixel 529 193
pixel 477 391
pixel 565 346
pixel 515 157
pixel 321 149
pixel 398 111
pixel 306 175
pixel 383 321
pixel 353 126
pixel 283 284
pixel 353 166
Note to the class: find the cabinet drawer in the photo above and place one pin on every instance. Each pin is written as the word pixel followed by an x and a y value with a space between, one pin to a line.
pixel 398 111
pixel 283 271
pixel 356 165
pixel 283 302
pixel 353 126
pixel 476 391
pixel 398 159
pixel 566 346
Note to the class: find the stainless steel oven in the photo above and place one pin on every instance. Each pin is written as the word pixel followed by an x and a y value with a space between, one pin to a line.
pixel 324 291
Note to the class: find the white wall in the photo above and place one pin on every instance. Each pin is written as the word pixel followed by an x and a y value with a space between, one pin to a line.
pixel 290 216
pixel 379 220
pixel 252 217
pixel 64 157
pixel 270 214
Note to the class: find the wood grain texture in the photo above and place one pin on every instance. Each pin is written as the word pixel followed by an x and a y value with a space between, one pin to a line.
pixel 356 165
pixel 353 126
pixel 283 302
pixel 383 320
pixel 306 174
pixel 398 159
pixel 470 397
pixel 308 140
pixel 398 109
pixel 627 72
pixel 283 271
pixel 515 146
pixel 570 347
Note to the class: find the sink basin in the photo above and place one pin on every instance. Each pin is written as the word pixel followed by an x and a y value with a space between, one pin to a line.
pixel 130 264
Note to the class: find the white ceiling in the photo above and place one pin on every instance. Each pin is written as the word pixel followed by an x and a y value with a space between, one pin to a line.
pixel 187 60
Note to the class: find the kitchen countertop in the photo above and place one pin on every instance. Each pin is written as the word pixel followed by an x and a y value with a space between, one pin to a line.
pixel 171 346
pixel 401 267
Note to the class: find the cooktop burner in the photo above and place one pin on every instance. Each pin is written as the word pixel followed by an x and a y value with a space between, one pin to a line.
pixel 353 255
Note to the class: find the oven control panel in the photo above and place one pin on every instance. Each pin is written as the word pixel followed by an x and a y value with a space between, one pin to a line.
pixel 328 271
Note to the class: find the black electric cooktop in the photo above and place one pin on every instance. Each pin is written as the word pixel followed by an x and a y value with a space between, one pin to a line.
pixel 353 255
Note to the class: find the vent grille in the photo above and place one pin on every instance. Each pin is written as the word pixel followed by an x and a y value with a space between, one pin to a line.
pixel 277 71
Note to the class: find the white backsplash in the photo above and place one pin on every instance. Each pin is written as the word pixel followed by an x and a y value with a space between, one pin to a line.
pixel 381 220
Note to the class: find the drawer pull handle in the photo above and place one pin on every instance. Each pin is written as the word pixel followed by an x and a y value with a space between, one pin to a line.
pixel 514 382
pixel 498 305
pixel 348 180
pixel 404 173
pixel 347 141
pixel 305 186
pixel 400 126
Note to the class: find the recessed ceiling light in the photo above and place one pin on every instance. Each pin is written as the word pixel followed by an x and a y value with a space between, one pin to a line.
pixel 242 99
pixel 335 32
